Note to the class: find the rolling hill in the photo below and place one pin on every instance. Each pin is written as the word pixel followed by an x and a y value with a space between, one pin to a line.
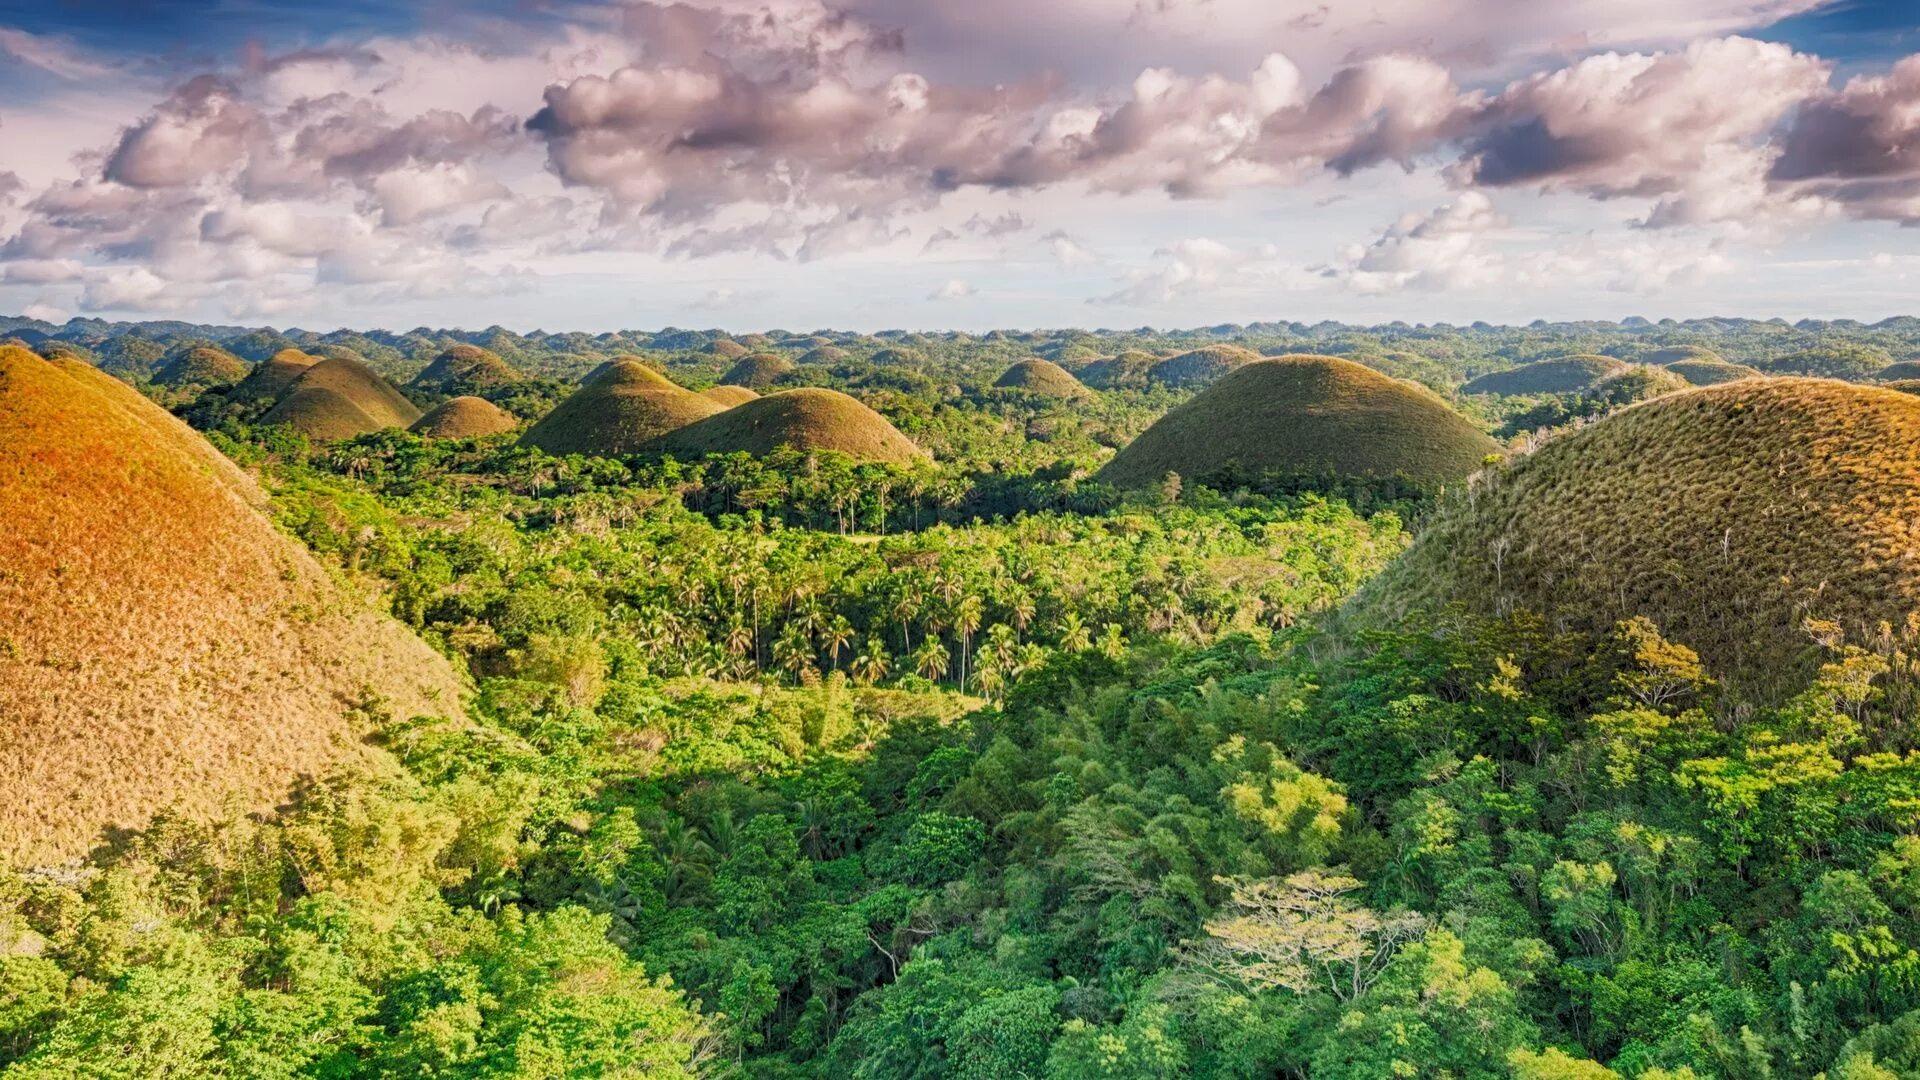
pixel 757 371
pixel 466 369
pixel 1200 366
pixel 341 398
pixel 1563 375
pixel 804 419
pixel 270 378
pixel 729 396
pixel 464 417
pixel 201 365
pixel 1712 372
pixel 620 410
pixel 1043 377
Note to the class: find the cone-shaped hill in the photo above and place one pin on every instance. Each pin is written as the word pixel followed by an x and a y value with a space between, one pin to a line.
pixel 161 643
pixel 618 411
pixel 757 371
pixel 1127 371
pixel 824 354
pixel 1712 372
pixel 805 419
pixel 465 369
pixel 1306 416
pixel 201 365
pixel 1727 514
pixel 1201 366
pixel 1678 353
pixel 1563 375
pixel 464 418
pixel 271 377
pixel 341 398
pixel 729 396
pixel 1043 377
pixel 1898 372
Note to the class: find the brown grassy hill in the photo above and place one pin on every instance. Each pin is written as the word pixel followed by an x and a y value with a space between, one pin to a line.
pixel 270 378
pixel 201 365
pixel 1563 375
pixel 1127 371
pixel 1898 372
pixel 730 349
pixel 729 396
pixel 1043 377
pixel 619 411
pixel 824 354
pixel 341 398
pixel 805 419
pixel 1678 353
pixel 757 371
pixel 1727 514
pixel 464 417
pixel 1306 415
pixel 1712 372
pixel 464 369
pixel 1201 366
pixel 160 642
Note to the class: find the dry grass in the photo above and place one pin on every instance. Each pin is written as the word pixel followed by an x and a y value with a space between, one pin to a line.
pixel 619 410
pixel 1565 375
pixel 1679 353
pixel 1713 372
pixel 160 643
pixel 341 398
pixel 1306 415
pixel 201 365
pixel 757 371
pixel 729 396
pixel 1125 371
pixel 1727 514
pixel 824 354
pixel 465 418
pixel 725 347
pixel 271 378
pixel 466 368
pixel 804 419
pixel 1201 366
pixel 1043 377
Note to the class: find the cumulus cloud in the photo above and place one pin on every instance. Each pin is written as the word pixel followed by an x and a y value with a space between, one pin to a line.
pixel 1438 251
pixel 1197 265
pixel 1067 251
pixel 954 289
pixel 1860 146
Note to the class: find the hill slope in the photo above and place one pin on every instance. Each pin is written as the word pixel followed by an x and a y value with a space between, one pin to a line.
pixel 1727 514
pixel 757 371
pixel 1712 372
pixel 1201 366
pixel 618 411
pixel 201 365
pixel 341 398
pixel 160 641
pixel 729 396
pixel 805 419
pixel 270 378
pixel 1563 375
pixel 1043 377
pixel 1306 415
pixel 464 369
pixel 464 418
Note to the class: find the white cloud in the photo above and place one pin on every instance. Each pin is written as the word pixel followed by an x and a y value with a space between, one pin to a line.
pixel 955 289
pixel 1438 251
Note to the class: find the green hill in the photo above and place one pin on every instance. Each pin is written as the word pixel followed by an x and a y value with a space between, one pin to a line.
pixel 341 398
pixel 757 371
pixel 1127 371
pixel 1564 375
pixel 464 417
pixel 1728 515
pixel 729 396
pixel 1306 416
pixel 804 419
pixel 1043 377
pixel 1898 372
pixel 162 644
pixel 824 354
pixel 466 369
pixel 1201 366
pixel 727 348
pixel 1712 372
pixel 1680 353
pixel 618 411
pixel 201 365
pixel 270 378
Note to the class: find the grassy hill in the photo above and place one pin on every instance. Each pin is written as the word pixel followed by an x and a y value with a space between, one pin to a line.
pixel 1727 514
pixel 757 371
pixel 824 354
pixel 1043 377
pixel 161 642
pixel 1306 415
pixel 1898 372
pixel 1712 372
pixel 1127 371
pixel 201 365
pixel 271 377
pixel 464 417
pixel 1564 375
pixel 618 411
pixel 1681 353
pixel 341 398
pixel 805 419
pixel 729 396
pixel 1201 366
pixel 466 369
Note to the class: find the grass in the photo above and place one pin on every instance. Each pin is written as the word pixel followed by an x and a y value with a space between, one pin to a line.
pixel 1564 375
pixel 465 417
pixel 271 377
pixel 1898 372
pixel 726 347
pixel 1306 415
pixel 1728 514
pixel 1201 366
pixel 757 371
pixel 201 365
pixel 341 398
pixel 1712 372
pixel 618 411
pixel 1043 377
pixel 463 369
pixel 1679 353
pixel 804 419
pixel 1127 371
pixel 161 644
pixel 824 354
pixel 729 396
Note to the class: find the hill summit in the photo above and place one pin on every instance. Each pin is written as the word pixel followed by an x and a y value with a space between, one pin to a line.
pixel 464 418
pixel 161 643
pixel 1563 375
pixel 1306 416
pixel 805 419
pixel 619 410
pixel 341 398
pixel 1728 515
pixel 757 371
pixel 466 369
pixel 1043 377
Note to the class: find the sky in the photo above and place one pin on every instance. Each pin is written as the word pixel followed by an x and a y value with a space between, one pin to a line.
pixel 926 164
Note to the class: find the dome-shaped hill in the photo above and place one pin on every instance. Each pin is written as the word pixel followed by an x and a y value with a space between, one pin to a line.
pixel 757 371
pixel 341 398
pixel 464 369
pixel 270 378
pixel 1898 372
pixel 824 354
pixel 163 643
pixel 726 347
pixel 1712 372
pixel 1127 371
pixel 729 396
pixel 464 417
pixel 1562 375
pixel 1726 514
pixel 1201 366
pixel 1306 416
pixel 804 419
pixel 618 411
pixel 201 365
pixel 1905 386
pixel 1043 377
pixel 1679 353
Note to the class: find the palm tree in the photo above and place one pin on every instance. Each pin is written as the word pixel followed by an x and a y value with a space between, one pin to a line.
pixel 931 659
pixel 966 620
pixel 836 636
pixel 792 651
pixel 1074 635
